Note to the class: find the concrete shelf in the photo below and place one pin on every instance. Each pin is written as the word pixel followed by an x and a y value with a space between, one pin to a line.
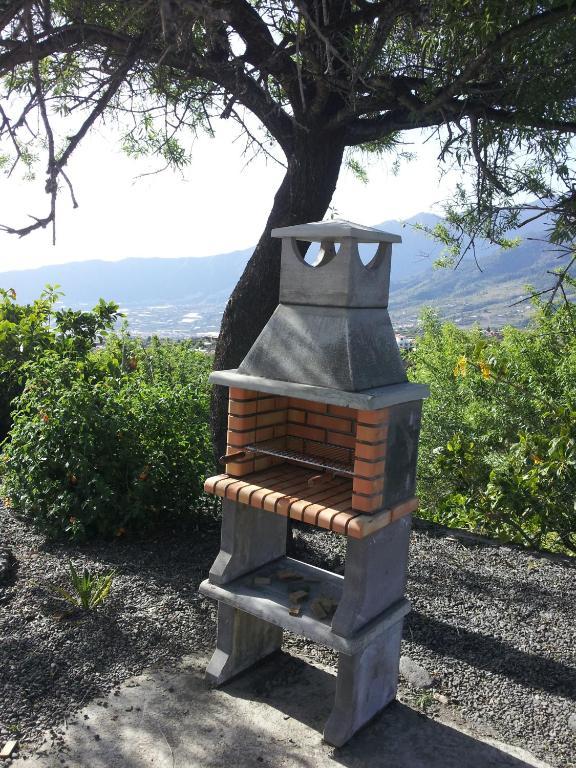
pixel 272 601
pixel 368 399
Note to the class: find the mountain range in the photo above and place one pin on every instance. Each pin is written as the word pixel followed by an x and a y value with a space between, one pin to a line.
pixel 186 296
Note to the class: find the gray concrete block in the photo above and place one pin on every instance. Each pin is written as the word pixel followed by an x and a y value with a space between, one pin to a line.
pixel 375 576
pixel 268 604
pixel 402 453
pixel 367 682
pixel 338 278
pixel 345 349
pixel 250 538
pixel 242 641
pixel 368 400
pixel 335 231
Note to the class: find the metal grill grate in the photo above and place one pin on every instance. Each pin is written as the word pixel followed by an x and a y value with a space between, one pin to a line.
pixel 324 456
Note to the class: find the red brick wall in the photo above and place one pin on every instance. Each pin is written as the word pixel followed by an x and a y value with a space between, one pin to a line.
pixel 256 416
pixel 253 416
pixel 370 461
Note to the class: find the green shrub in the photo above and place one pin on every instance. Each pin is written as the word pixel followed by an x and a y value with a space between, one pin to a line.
pixel 117 442
pixel 27 331
pixel 498 443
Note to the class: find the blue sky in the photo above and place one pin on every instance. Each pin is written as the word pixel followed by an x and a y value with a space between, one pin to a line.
pixel 217 204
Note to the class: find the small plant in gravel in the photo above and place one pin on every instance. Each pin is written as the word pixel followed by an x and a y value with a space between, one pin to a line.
pixel 88 590
pixel 424 701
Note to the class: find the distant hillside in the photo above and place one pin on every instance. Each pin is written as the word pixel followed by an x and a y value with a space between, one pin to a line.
pixel 186 296
pixel 136 281
pixel 207 279
pixel 484 293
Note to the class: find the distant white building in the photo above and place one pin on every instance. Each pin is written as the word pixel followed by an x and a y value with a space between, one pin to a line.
pixel 404 342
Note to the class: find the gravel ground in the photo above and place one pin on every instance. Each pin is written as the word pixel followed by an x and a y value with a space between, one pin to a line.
pixel 494 626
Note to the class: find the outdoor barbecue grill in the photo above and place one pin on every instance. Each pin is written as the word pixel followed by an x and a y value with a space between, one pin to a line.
pixel 323 428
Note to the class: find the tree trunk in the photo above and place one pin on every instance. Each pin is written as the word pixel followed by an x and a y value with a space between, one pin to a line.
pixel 303 196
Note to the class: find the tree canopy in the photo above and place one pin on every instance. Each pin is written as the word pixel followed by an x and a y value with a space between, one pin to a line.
pixel 316 80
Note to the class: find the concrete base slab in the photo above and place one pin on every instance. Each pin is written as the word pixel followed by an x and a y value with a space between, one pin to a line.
pixel 271 716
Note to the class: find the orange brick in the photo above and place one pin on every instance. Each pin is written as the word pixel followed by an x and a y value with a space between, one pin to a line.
pixel 329 422
pixel 345 413
pixel 240 439
pixel 294 443
pixel 280 430
pixel 340 522
pixel 266 404
pixel 275 502
pixel 405 508
pixel 268 419
pixel 373 417
pixel 312 513
pixel 222 486
pixel 263 462
pixel 371 434
pixel 211 482
pixel 368 469
pixel 264 433
pixel 307 405
pixel 240 423
pixel 310 433
pixel 298 417
pixel 258 496
pixel 368 487
pixel 364 525
pixel 240 468
pixel 345 441
pixel 371 452
pixel 242 407
pixel 248 489
pixel 326 517
pixel 367 503
pixel 242 394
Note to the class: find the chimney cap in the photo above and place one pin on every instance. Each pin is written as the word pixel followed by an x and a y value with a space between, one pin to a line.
pixel 336 230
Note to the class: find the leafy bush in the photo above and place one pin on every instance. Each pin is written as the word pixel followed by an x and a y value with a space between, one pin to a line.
pixel 29 330
pixel 112 443
pixel 498 444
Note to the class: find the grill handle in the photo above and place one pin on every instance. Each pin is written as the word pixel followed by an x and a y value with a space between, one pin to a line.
pixel 232 457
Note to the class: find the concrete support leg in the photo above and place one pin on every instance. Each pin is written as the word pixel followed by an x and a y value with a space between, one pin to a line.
pixel 250 538
pixel 242 641
pixel 374 577
pixel 367 682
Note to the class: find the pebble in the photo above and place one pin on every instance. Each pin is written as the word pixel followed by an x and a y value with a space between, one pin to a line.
pixel 414 674
pixel 572 722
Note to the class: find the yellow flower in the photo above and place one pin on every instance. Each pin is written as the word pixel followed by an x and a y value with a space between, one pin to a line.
pixel 484 369
pixel 461 367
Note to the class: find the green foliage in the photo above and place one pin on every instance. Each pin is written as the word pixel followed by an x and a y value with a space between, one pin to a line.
pixel 111 443
pixel 27 331
pixel 88 590
pixel 498 443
